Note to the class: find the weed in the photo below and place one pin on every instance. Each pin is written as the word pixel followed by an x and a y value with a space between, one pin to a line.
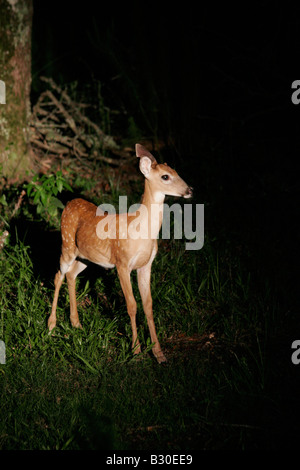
pixel 43 191
pixel 84 389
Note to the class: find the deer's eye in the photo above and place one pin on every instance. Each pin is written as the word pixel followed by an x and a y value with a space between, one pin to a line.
pixel 165 177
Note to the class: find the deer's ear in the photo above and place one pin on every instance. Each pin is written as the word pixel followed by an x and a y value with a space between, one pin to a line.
pixel 145 166
pixel 143 152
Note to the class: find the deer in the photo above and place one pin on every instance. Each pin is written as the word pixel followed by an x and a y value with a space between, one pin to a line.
pixel 84 240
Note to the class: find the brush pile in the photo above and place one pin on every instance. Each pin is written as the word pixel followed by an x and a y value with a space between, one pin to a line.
pixel 60 128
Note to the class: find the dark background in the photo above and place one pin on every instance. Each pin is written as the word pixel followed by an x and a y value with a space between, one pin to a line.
pixel 214 83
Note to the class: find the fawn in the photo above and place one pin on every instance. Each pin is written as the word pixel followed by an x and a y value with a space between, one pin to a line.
pixel 84 238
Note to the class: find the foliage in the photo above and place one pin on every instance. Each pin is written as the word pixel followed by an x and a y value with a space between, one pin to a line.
pixel 43 191
pixel 83 389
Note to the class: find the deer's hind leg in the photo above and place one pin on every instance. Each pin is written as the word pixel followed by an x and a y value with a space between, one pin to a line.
pixel 66 263
pixel 76 268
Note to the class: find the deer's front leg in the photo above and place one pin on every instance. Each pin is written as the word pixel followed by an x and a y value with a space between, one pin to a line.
pixel 144 277
pixel 124 276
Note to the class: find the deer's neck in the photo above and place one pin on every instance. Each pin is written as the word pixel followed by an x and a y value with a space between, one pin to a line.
pixel 152 207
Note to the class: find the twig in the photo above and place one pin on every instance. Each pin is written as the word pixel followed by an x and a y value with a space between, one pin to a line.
pixel 18 203
pixel 69 120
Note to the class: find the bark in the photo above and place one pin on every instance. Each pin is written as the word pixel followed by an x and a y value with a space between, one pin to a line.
pixel 15 71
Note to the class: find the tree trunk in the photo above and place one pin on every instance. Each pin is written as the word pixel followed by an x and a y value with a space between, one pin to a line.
pixel 15 72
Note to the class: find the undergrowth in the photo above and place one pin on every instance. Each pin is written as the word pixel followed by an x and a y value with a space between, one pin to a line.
pixel 84 389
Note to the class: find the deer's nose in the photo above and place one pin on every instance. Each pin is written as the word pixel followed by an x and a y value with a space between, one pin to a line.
pixel 189 192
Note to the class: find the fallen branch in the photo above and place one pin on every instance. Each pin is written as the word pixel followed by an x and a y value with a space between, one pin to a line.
pixel 60 128
pixel 18 203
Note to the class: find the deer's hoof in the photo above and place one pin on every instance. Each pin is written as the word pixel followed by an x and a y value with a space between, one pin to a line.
pixel 160 357
pixel 51 325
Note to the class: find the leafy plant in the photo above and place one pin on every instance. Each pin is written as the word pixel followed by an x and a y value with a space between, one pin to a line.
pixel 44 190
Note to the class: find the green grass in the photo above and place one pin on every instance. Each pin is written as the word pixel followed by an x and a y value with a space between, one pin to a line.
pixel 83 389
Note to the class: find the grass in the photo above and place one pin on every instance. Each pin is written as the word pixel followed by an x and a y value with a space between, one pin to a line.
pixel 221 313
pixel 215 312
pixel 83 389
